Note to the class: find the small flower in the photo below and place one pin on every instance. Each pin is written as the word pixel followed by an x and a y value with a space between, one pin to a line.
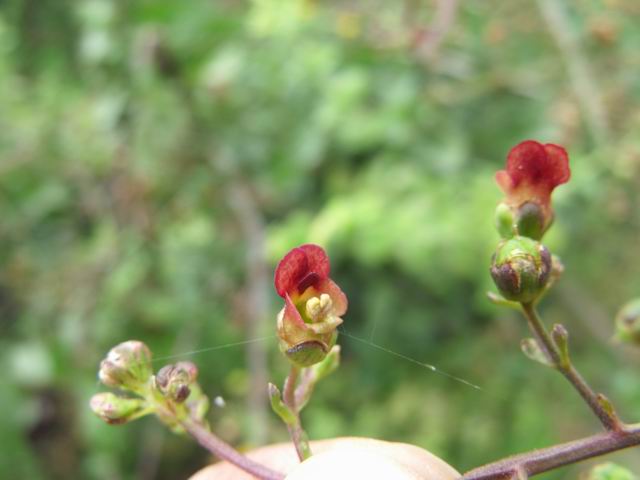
pixel 313 305
pixel 533 171
pixel 127 366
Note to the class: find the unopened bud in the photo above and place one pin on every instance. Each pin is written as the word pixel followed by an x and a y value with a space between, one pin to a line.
pixel 174 381
pixel 520 269
pixel 116 410
pixel 529 219
pixel 628 322
pixel 560 337
pixel 504 220
pixel 532 221
pixel 127 366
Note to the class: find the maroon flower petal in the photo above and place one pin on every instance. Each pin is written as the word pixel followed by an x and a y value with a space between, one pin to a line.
pixel 559 170
pixel 300 269
pixel 317 258
pixel 534 170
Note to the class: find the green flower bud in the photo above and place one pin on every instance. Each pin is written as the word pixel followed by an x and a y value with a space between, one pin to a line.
pixel 628 322
pixel 116 410
pixel 174 381
pixel 521 268
pixel 504 220
pixel 531 220
pixel 526 220
pixel 127 366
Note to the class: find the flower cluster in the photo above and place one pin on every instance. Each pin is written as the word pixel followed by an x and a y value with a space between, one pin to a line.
pixel 522 266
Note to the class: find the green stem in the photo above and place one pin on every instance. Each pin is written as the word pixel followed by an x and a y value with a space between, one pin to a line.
pixel 298 435
pixel 608 419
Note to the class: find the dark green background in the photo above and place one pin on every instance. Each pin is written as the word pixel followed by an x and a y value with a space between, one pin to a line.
pixel 148 147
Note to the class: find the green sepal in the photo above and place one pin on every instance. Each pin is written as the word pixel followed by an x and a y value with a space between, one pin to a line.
pixel 307 353
pixel 278 406
pixel 532 350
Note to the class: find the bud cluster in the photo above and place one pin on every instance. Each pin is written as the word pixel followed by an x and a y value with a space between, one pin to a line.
pixel 172 394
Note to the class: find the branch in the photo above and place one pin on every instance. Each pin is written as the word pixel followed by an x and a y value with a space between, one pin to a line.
pixel 429 40
pixel 560 360
pixel 580 74
pixel 226 452
pixel 545 459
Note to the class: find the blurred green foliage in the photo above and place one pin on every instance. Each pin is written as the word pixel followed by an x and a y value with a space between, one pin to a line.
pixel 610 471
pixel 145 145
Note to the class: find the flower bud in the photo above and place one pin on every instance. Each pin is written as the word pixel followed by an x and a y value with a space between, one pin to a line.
pixel 127 366
pixel 115 410
pixel 520 269
pixel 174 381
pixel 532 221
pixel 628 322
pixel 528 219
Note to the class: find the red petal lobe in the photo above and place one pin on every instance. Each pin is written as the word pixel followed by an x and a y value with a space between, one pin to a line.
pixel 317 258
pixel 528 162
pixel 290 270
pixel 558 165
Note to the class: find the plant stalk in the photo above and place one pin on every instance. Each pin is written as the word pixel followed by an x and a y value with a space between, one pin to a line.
pixel 298 435
pixel 608 419
pixel 545 459
pixel 226 452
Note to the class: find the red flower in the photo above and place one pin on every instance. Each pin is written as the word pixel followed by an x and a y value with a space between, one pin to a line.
pixel 533 171
pixel 313 304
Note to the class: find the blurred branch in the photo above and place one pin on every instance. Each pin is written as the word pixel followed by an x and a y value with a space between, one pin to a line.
pixel 580 73
pixel 251 222
pixel 428 40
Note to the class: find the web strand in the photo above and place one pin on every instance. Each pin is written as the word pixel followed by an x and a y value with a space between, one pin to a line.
pixel 217 347
pixel 428 366
pixel 364 341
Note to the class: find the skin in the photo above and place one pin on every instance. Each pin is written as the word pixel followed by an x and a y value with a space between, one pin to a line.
pixel 342 459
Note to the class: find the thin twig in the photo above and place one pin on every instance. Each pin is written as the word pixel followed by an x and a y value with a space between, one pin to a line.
pixel 609 421
pixel 429 40
pixel 580 74
pixel 545 459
